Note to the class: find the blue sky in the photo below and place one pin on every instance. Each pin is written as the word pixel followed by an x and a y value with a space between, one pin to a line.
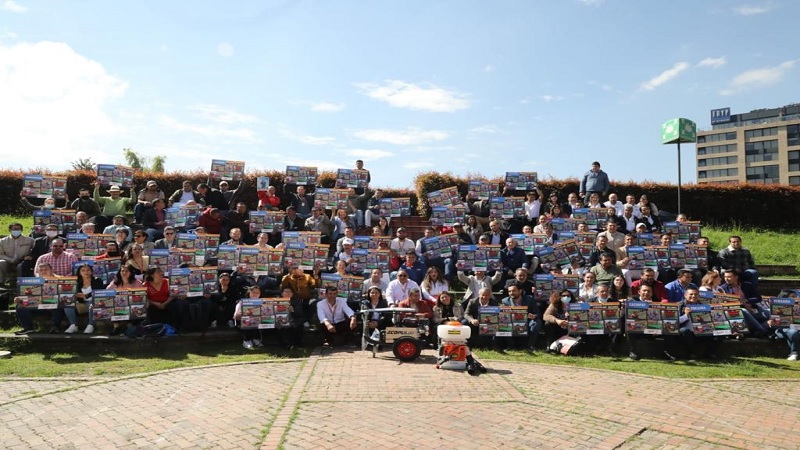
pixel 461 86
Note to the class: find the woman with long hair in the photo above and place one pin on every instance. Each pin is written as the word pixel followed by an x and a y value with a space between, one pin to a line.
pixel 555 317
pixel 434 284
pixel 447 309
pixel 620 289
pixel 87 283
pixel 161 306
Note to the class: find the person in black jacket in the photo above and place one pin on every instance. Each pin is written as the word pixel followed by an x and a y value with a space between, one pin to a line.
pixel 212 197
pixel 223 302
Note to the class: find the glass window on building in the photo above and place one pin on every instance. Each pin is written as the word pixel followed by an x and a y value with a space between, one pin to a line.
pixel 793 135
pixel 761 132
pixel 794 161
pixel 761 151
pixel 794 181
pixel 763 174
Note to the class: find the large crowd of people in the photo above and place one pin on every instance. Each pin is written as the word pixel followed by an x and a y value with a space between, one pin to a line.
pixel 415 279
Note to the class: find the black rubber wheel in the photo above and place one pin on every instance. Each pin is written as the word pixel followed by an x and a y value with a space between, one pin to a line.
pixel 406 348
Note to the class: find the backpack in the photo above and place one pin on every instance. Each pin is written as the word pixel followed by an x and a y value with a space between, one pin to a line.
pixel 196 318
pixel 151 330
pixel 567 345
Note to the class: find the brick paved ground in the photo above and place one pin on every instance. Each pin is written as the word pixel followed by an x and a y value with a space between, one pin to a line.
pixel 348 399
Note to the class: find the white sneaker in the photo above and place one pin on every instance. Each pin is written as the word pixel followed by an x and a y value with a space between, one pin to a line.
pixel 231 324
pixel 247 344
pixel 214 324
pixel 792 357
pixel 72 329
pixel 257 343
pixel 89 329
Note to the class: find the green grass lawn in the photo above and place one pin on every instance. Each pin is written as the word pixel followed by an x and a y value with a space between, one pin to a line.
pixel 731 367
pixel 24 363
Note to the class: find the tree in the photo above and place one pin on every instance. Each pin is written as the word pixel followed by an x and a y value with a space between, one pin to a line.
pixel 140 163
pixel 84 164
pixel 158 163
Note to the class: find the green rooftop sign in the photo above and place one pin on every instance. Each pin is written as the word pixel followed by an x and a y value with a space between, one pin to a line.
pixel 678 130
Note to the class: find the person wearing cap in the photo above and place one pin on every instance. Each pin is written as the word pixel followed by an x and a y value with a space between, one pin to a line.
pixel 336 318
pixel 347 251
pixel 676 289
pixel 117 225
pixel 320 222
pixel 594 181
pixel 113 205
pixel 349 233
pixel 86 203
pixel 145 200
pixel 401 244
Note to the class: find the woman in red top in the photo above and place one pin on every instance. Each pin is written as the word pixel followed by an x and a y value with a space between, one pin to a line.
pixel 160 304
pixel 267 200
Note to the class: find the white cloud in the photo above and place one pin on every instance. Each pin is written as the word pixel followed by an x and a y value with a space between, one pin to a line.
pixel 327 107
pixel 416 165
pixel 486 129
pixel 368 154
pixel 410 136
pixel 747 10
pixel 758 78
pixel 425 97
pixel 488 68
pixel 307 139
pixel 665 76
pixel 225 49
pixel 551 98
pixel 316 140
pixel 9 5
pixel 524 101
pixel 211 131
pixel 219 114
pixel 592 2
pixel 714 63
pixel 55 103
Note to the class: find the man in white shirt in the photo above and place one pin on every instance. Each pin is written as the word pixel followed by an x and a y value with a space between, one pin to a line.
pixel 401 245
pixel 398 289
pixel 613 202
pixel 629 218
pixel 335 317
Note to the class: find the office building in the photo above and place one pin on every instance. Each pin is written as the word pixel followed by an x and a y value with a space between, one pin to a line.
pixel 762 146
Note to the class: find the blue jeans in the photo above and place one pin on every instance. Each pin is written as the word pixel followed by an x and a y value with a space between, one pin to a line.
pixel 792 337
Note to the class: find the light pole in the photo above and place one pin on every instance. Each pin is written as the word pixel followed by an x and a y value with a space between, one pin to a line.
pixel 675 131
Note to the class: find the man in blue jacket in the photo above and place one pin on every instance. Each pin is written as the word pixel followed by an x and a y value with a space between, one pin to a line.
pixel 595 180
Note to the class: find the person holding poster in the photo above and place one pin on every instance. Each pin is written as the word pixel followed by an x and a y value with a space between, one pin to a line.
pixel 472 314
pixel 687 334
pixel 516 298
pixel 555 316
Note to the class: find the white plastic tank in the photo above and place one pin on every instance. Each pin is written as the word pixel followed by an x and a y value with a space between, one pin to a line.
pixel 453 332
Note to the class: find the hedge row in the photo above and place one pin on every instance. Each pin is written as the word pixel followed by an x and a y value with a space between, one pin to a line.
pixel 767 206
pixel 11 185
pixel 749 205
